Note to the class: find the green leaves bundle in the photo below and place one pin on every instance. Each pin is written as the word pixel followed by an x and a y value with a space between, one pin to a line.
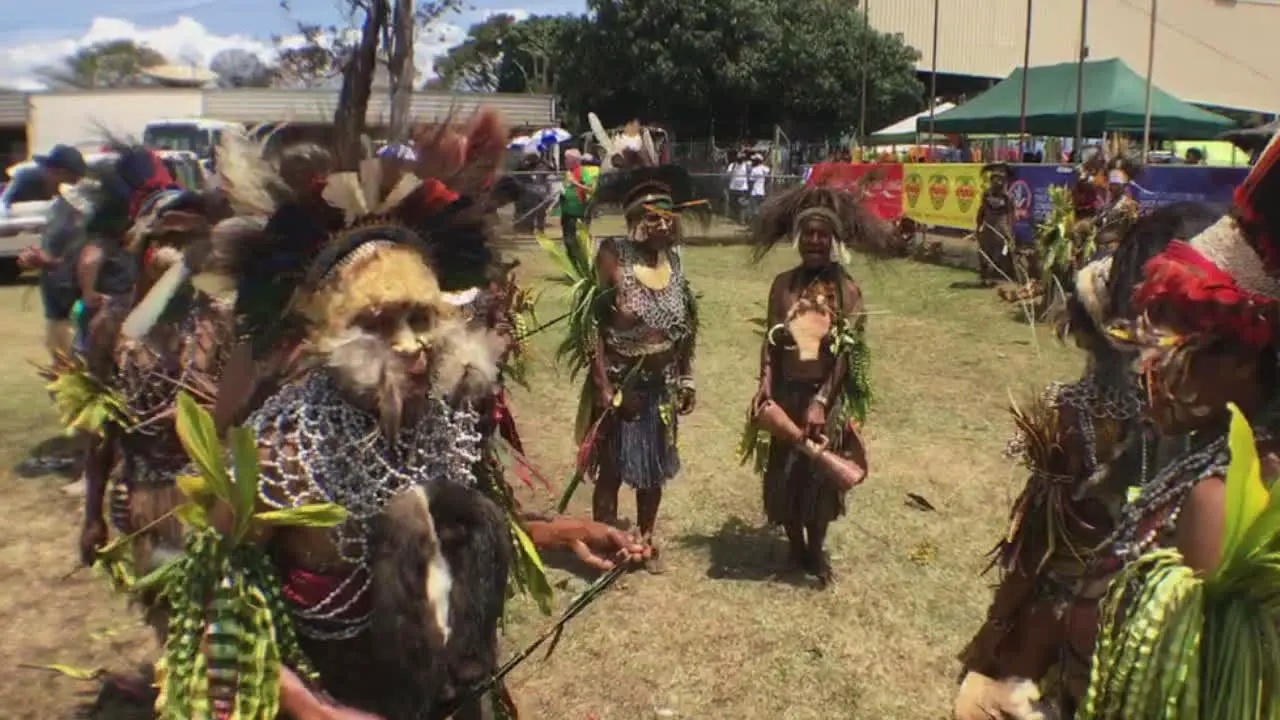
pixel 1182 646
pixel 229 627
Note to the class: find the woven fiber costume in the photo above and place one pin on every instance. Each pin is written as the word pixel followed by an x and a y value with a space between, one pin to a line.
pixel 1083 444
pixel 815 387
pixel 635 332
pixel 345 545
pixel 995 226
pixel 1188 626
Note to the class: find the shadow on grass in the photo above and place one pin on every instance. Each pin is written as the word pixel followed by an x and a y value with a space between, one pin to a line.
pixel 58 455
pixel 742 551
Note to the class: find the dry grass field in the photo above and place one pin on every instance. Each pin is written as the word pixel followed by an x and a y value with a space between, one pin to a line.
pixel 721 635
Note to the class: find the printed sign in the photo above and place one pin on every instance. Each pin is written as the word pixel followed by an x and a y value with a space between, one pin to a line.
pixel 883 194
pixel 952 189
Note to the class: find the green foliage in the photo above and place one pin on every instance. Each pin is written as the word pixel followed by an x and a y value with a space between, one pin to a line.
pixel 849 342
pixel 578 273
pixel 732 66
pixel 84 402
pixel 229 627
pixel 1180 645
pixel 109 64
pixel 1063 249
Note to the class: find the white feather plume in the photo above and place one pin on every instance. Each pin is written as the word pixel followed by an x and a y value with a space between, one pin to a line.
pixel 248 176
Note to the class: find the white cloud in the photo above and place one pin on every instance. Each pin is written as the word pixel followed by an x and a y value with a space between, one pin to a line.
pixel 517 13
pixel 185 40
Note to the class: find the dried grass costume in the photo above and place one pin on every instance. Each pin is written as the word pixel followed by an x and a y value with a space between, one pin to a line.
pixel 813 315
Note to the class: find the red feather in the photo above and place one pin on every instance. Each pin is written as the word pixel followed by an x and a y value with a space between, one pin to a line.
pixel 1257 204
pixel 1204 298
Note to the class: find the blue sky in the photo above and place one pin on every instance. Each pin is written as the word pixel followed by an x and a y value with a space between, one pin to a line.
pixel 33 37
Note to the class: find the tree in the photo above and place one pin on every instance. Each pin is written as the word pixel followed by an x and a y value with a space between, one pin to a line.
pixel 472 65
pixel 744 65
pixel 378 41
pixel 114 63
pixel 240 68
pixel 306 66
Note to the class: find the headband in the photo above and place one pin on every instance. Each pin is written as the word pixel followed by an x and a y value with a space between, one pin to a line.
pixel 1118 177
pixel 827 215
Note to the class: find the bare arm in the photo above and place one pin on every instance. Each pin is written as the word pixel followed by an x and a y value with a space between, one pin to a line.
pixel 88 265
pixel 773 315
pixel 1199 531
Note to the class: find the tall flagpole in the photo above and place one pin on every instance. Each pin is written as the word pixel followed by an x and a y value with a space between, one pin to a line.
pixel 933 75
pixel 1084 54
pixel 1151 69
pixel 1026 64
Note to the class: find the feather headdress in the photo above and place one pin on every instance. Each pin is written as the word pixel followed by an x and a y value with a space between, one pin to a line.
pixel 854 225
pixel 641 187
pixel 1224 281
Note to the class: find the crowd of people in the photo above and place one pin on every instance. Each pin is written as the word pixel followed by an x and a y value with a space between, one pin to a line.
pixel 349 327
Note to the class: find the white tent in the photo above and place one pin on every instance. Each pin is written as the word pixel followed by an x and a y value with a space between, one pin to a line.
pixel 903 132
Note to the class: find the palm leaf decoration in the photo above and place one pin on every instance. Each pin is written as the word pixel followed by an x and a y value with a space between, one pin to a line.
pixel 854 393
pixel 1179 645
pixel 1064 244
pixel 85 402
pixel 229 626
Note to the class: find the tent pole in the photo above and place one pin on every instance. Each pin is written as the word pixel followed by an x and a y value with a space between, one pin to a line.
pixel 933 75
pixel 1026 64
pixel 866 61
pixel 1084 54
pixel 1151 69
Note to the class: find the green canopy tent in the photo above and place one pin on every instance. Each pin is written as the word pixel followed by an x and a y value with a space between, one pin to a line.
pixel 1114 101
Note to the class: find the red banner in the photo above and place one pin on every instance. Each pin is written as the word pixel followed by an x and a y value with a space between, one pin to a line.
pixel 883 194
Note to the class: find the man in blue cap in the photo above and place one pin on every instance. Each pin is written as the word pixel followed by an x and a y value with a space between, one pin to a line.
pixel 63 165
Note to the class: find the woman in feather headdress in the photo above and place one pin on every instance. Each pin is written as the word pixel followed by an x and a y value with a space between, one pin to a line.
pixel 1204 329
pixel 639 348
pixel 139 223
pixel 995 226
pixel 391 604
pixel 813 363
pixel 1121 209
pixel 1082 443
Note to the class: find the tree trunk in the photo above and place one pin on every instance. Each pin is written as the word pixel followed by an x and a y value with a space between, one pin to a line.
pixel 357 86
pixel 402 71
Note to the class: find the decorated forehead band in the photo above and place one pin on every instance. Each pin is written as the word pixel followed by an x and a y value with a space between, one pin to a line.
pixel 826 215
pixel 361 252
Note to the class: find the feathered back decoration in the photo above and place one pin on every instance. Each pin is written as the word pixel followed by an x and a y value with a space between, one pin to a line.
pixel 1257 205
pixel 249 179
pixel 464 156
pixel 854 225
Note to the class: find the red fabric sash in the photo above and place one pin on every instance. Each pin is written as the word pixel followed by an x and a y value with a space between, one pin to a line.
pixel 308 589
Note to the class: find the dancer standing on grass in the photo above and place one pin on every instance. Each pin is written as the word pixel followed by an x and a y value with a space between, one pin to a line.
pixel 640 352
pixel 813 365
pixel 995 227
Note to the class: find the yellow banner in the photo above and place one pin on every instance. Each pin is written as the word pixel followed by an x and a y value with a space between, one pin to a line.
pixel 945 194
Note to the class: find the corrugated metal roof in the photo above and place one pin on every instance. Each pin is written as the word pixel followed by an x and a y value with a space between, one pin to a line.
pixel 317 106
pixel 13 109
pixel 1213 52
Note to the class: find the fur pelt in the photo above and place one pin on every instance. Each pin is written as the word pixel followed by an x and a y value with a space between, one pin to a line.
pixel 475 538
pixel 412 589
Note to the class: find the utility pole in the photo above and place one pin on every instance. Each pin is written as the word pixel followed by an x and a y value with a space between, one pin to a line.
pixel 1084 55
pixel 866 54
pixel 1026 65
pixel 933 74
pixel 1151 70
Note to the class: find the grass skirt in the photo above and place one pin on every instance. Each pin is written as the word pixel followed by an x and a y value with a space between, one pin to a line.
pixel 642 449
pixel 794 491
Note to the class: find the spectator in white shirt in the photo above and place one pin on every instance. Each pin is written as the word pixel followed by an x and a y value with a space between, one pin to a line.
pixel 738 188
pixel 759 177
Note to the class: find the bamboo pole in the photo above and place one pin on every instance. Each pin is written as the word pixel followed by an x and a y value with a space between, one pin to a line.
pixel 1026 65
pixel 933 75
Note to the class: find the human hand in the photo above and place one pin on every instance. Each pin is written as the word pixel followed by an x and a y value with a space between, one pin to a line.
pixel 815 420
pixel 686 400
pixel 33 258
pixel 604 399
pixel 299 702
pixel 763 395
pixel 604 547
pixel 93 537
